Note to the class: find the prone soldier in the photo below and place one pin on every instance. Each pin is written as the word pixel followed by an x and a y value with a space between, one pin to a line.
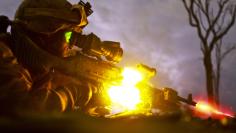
pixel 37 57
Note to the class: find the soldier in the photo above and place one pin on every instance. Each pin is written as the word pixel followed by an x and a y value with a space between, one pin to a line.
pixel 33 57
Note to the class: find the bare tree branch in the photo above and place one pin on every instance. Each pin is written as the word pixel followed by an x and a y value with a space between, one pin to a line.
pixel 202 20
pixel 229 50
pixel 224 30
pixel 212 22
pixel 190 14
pixel 197 21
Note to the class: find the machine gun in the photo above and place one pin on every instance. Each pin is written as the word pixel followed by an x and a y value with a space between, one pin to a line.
pixel 96 63
pixel 167 99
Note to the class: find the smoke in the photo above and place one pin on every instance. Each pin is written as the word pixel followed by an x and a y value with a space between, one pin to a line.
pixel 156 33
pixel 152 32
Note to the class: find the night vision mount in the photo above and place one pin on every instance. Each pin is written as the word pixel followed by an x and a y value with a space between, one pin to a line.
pixel 87 7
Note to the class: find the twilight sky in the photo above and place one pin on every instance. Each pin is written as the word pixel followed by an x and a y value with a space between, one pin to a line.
pixel 156 33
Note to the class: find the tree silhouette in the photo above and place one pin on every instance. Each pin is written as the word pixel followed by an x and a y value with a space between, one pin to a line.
pixel 220 55
pixel 212 19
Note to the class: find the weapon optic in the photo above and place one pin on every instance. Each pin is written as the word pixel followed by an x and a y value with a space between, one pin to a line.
pixel 125 89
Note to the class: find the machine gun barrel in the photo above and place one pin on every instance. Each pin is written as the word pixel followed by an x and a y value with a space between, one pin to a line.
pixel 169 98
pixel 189 100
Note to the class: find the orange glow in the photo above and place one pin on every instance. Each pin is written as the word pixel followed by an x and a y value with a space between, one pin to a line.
pixel 126 96
pixel 204 109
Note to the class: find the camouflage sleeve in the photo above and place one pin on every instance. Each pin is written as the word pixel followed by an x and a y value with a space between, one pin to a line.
pixel 19 93
pixel 59 93
pixel 15 81
pixel 12 74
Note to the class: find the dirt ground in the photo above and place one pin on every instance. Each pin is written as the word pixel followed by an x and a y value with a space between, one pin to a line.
pixel 81 123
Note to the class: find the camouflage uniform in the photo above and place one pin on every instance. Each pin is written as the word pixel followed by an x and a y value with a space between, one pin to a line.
pixel 33 52
pixel 15 81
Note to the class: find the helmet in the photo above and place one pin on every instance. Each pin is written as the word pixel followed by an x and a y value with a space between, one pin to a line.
pixel 50 16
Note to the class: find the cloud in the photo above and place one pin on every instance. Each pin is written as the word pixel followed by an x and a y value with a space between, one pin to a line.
pixel 156 33
pixel 8 7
